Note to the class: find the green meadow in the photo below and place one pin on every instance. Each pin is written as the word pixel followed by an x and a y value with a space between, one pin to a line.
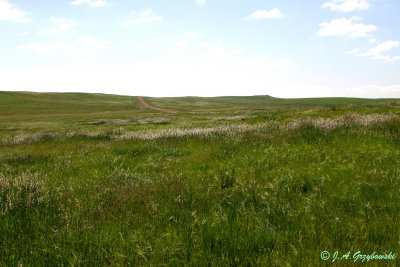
pixel 99 180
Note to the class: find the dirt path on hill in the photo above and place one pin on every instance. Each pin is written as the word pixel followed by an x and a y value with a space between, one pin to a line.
pixel 141 100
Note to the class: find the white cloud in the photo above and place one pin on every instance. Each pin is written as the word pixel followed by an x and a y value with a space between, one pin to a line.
pixel 9 12
pixel 58 24
pixel 193 35
pixel 347 5
pixel 201 2
pixel 201 45
pixel 64 48
pixel 86 43
pixel 376 91
pixel 345 27
pixel 146 16
pixel 377 52
pixel 156 40
pixel 266 14
pixel 183 44
pixel 213 71
pixel 353 51
pixel 89 42
pixel 91 3
pixel 2 34
pixel 218 52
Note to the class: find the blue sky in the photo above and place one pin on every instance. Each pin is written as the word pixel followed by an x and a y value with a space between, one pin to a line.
pixel 299 48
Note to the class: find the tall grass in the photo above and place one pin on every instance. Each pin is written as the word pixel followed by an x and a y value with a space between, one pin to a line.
pixel 274 189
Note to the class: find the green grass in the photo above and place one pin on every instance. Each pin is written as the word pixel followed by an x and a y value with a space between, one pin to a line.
pixel 88 179
pixel 253 102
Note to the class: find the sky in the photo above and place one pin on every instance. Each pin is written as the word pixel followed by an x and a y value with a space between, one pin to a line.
pixel 296 48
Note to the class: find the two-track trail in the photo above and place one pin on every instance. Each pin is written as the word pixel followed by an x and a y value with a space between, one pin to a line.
pixel 145 104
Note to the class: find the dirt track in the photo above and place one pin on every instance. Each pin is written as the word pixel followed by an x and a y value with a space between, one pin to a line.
pixel 141 100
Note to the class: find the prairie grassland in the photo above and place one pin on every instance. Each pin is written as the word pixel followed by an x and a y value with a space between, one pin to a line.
pixel 99 180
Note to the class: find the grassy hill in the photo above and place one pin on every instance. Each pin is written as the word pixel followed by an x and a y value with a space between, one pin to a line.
pixel 29 103
pixel 253 102
pixel 94 180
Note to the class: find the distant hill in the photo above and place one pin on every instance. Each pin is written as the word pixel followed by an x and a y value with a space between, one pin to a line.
pixel 29 103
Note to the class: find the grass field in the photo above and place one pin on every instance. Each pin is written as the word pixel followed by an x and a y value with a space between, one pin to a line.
pixel 94 180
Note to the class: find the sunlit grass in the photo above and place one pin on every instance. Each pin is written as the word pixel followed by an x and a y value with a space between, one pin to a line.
pixel 262 187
